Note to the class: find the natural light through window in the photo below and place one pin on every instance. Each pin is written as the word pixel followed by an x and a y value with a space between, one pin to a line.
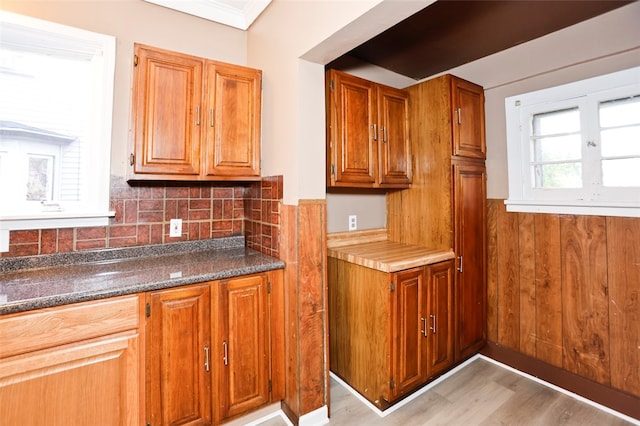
pixel 576 148
pixel 56 100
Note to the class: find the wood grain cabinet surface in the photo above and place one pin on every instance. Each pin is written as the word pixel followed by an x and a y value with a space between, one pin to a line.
pixel 367 134
pixel 214 350
pixel 194 118
pixel 72 365
pixel 448 142
pixel 390 332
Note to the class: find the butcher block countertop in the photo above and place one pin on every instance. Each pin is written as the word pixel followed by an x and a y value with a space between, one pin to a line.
pixel 372 250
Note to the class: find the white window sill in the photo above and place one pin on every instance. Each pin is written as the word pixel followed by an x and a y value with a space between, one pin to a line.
pixel 49 220
pixel 574 207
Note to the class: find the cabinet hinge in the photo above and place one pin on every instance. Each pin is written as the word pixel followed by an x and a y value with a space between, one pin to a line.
pixel 270 385
pixel 332 85
pixel 268 287
pixel 392 384
pixel 333 169
pixel 132 159
pixel 147 310
pixel 135 60
pixel 392 286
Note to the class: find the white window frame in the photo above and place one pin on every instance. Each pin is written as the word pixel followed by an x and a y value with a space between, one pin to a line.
pixel 585 201
pixel 96 210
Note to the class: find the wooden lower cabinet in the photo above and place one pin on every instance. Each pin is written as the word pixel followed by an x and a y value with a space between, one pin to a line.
pixel 390 333
pixel 77 364
pixel 215 350
pixel 178 356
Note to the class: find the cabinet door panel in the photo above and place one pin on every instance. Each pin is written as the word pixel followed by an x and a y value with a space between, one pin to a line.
pixel 168 97
pixel 178 381
pixel 468 119
pixel 233 120
pixel 408 337
pixel 470 242
pixel 242 341
pixel 353 135
pixel 98 378
pixel 440 317
pixel 395 167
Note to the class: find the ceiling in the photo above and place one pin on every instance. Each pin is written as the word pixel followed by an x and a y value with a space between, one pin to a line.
pixel 450 33
pixel 235 13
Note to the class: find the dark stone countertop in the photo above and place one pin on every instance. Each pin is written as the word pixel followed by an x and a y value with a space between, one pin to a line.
pixel 35 282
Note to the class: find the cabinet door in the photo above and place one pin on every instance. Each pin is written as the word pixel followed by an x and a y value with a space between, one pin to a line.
pixel 439 321
pixel 167 116
pixel 178 365
pixel 232 120
pixel 93 382
pixel 468 119
pixel 469 201
pixel 393 138
pixel 352 131
pixel 408 334
pixel 242 342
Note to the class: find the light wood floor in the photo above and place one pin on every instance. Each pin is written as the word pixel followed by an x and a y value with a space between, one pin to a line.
pixel 482 393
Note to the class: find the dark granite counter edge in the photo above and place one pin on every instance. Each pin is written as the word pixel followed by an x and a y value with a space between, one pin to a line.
pixel 65 299
pixel 49 260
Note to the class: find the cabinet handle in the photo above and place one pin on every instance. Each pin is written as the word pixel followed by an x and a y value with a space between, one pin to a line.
pixel 375 132
pixel 461 263
pixel 433 324
pixel 197 116
pixel 225 357
pixel 384 133
pixel 206 358
pixel 459 112
pixel 211 117
pixel 424 326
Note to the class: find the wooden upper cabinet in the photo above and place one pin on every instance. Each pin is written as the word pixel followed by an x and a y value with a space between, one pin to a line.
pixel 467 101
pixel 167 95
pixel 233 120
pixel 367 134
pixel 194 118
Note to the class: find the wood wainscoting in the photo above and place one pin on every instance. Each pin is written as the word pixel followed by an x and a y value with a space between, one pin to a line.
pixel 565 290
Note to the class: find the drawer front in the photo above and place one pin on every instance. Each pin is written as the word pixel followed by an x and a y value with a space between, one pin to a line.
pixel 45 328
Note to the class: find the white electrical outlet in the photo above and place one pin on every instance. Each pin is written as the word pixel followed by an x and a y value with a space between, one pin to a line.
pixel 175 228
pixel 353 222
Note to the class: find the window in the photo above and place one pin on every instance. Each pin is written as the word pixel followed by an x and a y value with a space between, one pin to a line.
pixel 576 148
pixel 56 99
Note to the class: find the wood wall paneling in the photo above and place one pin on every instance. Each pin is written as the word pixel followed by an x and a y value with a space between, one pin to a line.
pixel 623 254
pixel 564 289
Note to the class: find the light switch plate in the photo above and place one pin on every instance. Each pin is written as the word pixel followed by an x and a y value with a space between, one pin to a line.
pixel 175 228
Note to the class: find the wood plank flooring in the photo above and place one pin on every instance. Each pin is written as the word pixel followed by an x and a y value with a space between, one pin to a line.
pixel 482 394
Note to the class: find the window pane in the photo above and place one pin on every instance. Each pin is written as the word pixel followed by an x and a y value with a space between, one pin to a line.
pixel 40 182
pixel 556 122
pixel 620 141
pixel 559 148
pixel 624 172
pixel 620 112
pixel 561 175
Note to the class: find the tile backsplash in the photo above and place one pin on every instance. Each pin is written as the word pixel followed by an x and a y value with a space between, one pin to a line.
pixel 143 212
